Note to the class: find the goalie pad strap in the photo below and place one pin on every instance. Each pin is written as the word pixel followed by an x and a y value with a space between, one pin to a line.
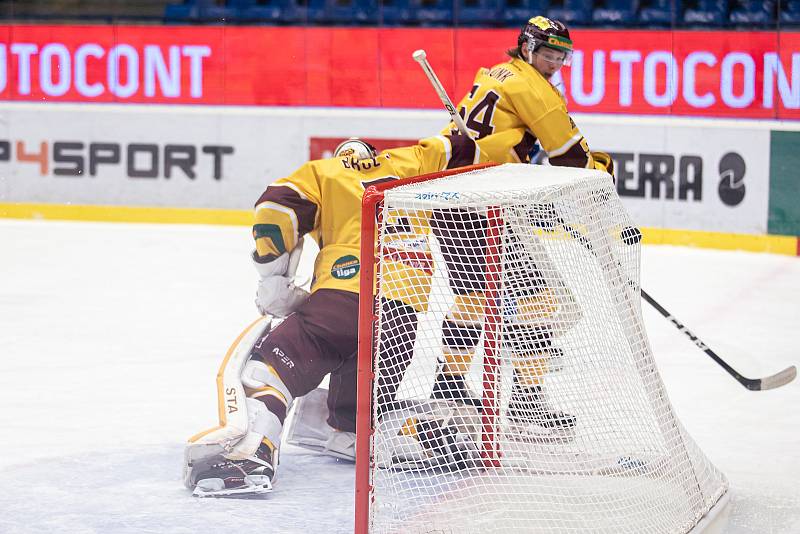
pixel 259 376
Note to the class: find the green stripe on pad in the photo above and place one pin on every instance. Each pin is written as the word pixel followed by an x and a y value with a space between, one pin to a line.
pixel 271 232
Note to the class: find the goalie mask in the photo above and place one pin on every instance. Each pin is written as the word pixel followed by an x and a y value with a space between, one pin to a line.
pixel 542 32
pixel 356 148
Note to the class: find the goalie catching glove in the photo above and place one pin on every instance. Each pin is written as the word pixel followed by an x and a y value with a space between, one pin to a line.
pixel 276 295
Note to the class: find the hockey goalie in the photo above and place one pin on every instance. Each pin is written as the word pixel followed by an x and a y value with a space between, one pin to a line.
pixel 267 368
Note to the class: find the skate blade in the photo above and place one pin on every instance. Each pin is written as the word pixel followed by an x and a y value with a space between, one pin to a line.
pixel 400 464
pixel 534 433
pixel 215 487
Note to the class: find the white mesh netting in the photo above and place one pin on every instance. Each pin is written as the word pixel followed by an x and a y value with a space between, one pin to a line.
pixel 510 297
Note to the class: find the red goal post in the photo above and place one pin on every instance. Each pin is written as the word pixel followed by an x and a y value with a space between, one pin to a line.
pixel 373 196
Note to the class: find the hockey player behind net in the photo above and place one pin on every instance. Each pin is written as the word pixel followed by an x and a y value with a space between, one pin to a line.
pixel 267 368
pixel 514 94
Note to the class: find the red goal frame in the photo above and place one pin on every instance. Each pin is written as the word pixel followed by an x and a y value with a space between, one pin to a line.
pixel 365 428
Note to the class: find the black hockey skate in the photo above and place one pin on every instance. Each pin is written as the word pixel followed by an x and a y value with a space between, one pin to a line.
pixel 453 387
pixel 449 449
pixel 221 477
pixel 527 406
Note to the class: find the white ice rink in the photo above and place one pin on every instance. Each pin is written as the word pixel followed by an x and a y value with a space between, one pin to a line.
pixel 111 335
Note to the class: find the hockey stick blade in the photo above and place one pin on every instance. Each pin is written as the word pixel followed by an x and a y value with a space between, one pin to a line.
pixel 753 384
pixel 773 381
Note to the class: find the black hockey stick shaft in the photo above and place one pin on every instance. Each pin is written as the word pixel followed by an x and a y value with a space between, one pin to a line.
pixel 753 384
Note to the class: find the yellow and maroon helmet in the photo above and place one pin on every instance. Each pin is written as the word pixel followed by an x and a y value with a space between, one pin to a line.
pixel 541 31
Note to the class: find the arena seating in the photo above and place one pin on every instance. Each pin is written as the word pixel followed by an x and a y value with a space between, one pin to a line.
pixel 752 14
pixel 572 12
pixel 659 13
pixel 789 14
pixel 681 14
pixel 711 14
pixel 512 12
pixel 615 13
pixel 706 13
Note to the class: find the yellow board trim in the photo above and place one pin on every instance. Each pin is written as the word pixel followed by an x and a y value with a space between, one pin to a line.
pixel 775 244
pixel 127 214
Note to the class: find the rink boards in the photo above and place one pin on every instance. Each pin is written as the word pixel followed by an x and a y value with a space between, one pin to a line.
pixel 708 182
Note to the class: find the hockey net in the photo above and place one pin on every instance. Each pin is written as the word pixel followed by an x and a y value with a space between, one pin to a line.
pixel 523 281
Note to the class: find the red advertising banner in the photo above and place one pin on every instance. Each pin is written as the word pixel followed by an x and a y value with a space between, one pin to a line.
pixel 695 73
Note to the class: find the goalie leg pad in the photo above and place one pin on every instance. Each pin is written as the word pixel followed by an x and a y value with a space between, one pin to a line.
pixel 263 424
pixel 245 421
pixel 232 407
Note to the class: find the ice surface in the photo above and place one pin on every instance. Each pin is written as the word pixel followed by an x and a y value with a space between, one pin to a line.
pixel 111 335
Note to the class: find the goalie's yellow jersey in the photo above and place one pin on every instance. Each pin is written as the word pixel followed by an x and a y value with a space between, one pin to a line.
pixel 324 197
pixel 515 95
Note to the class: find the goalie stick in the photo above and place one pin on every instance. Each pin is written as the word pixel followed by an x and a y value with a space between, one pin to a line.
pixel 629 236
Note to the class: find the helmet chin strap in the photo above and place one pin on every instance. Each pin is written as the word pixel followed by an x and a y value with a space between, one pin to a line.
pixel 529 53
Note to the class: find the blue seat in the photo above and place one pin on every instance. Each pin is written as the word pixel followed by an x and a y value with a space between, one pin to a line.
pixel 707 13
pixel 659 13
pixel 179 12
pixel 616 13
pixel 572 12
pixel 293 11
pixel 350 12
pixel 259 10
pixel 790 13
pixel 476 13
pixel 195 11
pixel 394 13
pixel 515 13
pixel 212 11
pixel 748 13
pixel 431 12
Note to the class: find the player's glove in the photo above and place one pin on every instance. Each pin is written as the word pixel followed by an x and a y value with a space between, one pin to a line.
pixel 603 162
pixel 277 295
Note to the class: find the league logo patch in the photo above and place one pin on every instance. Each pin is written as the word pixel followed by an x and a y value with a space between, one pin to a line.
pixel 345 268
